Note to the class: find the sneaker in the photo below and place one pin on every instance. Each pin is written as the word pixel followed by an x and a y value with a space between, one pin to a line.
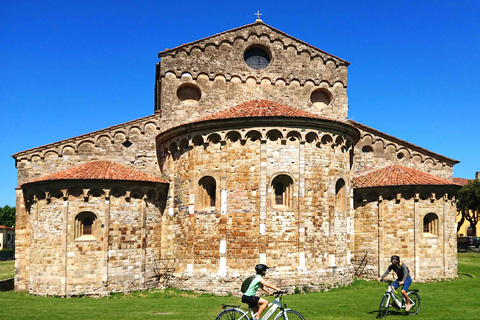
pixel 408 307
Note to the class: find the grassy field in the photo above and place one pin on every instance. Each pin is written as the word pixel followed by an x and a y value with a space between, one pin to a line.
pixel 7 269
pixel 456 299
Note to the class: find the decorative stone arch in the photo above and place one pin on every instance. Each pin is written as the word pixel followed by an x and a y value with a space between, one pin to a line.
pixel 184 145
pixel 214 138
pixel 95 192
pixel 198 140
pixel 253 135
pixel 116 192
pixel 274 135
pixel 311 137
pixel 137 193
pixel 293 136
pixel 233 136
pixel 75 192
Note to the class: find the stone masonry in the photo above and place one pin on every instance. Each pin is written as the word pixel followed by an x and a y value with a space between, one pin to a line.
pixel 248 157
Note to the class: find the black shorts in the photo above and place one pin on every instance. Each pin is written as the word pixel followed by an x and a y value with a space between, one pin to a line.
pixel 252 301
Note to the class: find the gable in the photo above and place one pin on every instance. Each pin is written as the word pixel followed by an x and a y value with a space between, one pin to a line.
pixel 255 61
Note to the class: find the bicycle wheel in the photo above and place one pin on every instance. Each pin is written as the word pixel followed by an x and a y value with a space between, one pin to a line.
pixel 383 310
pixel 232 314
pixel 289 315
pixel 415 301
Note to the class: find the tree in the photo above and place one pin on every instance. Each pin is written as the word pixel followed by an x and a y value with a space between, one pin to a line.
pixel 7 216
pixel 469 203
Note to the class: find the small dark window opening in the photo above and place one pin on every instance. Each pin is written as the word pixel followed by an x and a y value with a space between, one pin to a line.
pixel 212 190
pixel 87 226
pixel 279 192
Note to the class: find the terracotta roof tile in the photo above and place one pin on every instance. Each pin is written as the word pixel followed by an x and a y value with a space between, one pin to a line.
pixel 100 170
pixel 260 108
pixel 4 227
pixel 395 175
pixel 461 181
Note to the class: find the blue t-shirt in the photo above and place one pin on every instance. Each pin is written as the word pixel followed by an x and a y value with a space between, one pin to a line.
pixel 254 286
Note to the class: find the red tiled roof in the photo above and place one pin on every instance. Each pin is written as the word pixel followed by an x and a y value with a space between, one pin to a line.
pixel 259 108
pixel 462 181
pixel 4 227
pixel 100 170
pixel 395 175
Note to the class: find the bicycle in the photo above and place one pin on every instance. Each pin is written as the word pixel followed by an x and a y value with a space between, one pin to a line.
pixel 392 298
pixel 236 313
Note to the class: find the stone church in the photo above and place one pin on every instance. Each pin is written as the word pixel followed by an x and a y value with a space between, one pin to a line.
pixel 248 157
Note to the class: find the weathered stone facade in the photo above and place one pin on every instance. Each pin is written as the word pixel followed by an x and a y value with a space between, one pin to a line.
pixel 255 161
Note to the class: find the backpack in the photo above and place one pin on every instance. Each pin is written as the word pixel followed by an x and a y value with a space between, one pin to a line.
pixel 246 283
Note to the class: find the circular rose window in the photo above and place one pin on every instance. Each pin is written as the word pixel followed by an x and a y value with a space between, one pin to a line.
pixel 257 57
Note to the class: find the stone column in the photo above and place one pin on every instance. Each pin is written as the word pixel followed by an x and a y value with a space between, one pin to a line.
pixel 416 237
pixel 381 233
pixel 143 219
pixel 222 268
pixel 64 249
pixel 22 243
pixel 263 201
pixel 301 208
pixel 106 244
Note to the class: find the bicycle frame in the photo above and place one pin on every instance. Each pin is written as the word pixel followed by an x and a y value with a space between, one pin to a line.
pixel 394 295
pixel 273 306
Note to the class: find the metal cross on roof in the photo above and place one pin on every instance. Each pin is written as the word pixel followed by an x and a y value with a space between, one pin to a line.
pixel 258 14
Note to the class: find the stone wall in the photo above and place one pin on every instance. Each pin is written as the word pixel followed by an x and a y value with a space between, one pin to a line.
pixel 119 255
pixel 387 223
pixel 211 74
pixel 307 246
pixel 376 149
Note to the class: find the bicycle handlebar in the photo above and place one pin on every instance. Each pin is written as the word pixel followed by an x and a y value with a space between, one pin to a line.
pixel 279 293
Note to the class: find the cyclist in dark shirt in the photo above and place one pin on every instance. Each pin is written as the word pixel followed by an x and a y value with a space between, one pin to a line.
pixel 403 279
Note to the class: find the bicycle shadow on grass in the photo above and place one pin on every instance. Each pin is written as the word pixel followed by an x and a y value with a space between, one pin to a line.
pixel 390 313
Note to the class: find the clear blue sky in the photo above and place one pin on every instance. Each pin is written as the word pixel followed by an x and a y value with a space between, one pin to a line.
pixel 72 67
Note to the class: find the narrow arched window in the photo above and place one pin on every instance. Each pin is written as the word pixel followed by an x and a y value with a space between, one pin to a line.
pixel 282 187
pixel 430 224
pixel 340 195
pixel 207 193
pixel 84 227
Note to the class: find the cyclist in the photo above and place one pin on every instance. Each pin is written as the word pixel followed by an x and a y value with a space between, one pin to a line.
pixel 256 303
pixel 403 279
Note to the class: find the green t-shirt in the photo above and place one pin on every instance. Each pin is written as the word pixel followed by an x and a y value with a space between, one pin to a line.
pixel 254 286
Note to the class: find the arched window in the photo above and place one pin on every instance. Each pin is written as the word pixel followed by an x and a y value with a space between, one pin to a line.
pixel 470 231
pixel 85 226
pixel 207 193
pixel 340 195
pixel 430 224
pixel 282 187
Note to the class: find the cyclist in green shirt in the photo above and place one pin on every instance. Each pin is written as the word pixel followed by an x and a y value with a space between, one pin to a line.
pixel 256 303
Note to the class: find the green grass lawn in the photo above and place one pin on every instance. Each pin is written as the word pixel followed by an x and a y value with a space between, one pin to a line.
pixel 7 269
pixel 456 299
